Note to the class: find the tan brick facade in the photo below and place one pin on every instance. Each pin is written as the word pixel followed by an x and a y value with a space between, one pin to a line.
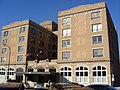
pixel 86 51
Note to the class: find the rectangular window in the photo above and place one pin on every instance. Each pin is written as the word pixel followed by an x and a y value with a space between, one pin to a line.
pixel 32 49
pixel 5 33
pixel 21 39
pixel 54 39
pixel 66 43
pixel 3 59
pixel 33 31
pixel 66 55
pixel 96 39
pixel 41 35
pixel 66 21
pixel 66 32
pixel 5 42
pixel 19 58
pixel 22 29
pixel 32 40
pixel 4 50
pixel 98 52
pixel 20 48
pixel 96 27
pixel 95 15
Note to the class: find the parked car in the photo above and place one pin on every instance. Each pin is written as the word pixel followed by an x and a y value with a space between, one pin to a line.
pixel 101 87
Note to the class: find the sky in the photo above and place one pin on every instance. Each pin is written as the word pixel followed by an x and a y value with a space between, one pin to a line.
pixel 42 10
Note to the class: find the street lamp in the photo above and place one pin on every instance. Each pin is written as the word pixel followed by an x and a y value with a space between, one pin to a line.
pixel 8 61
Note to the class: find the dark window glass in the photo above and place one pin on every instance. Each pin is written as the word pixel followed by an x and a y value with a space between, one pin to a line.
pixel 86 73
pixel 81 73
pixel 33 31
pixel 22 29
pixel 69 73
pixel 5 33
pixel 104 73
pixel 77 73
pixel 99 73
pixel 94 74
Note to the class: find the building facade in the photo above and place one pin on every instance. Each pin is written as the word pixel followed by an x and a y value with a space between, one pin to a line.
pixel 87 46
pixel 23 41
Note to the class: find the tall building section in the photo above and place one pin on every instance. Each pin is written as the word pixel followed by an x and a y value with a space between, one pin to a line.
pixel 84 45
pixel 21 40
pixel 82 48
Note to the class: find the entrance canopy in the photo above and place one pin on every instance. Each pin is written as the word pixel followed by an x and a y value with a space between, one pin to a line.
pixel 42 77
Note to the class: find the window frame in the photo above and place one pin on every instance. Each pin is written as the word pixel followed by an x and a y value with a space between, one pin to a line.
pixel 95 39
pixel 5 50
pixel 20 58
pixel 22 30
pixel 33 31
pixel 6 33
pixel 5 41
pixel 67 54
pixel 66 42
pixel 21 39
pixel 3 59
pixel 94 15
pixel 97 74
pixel 98 27
pixel 98 56
pixel 66 32
pixel 66 21
pixel 21 48
pixel 82 78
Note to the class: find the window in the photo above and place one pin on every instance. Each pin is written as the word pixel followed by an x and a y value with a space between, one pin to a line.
pixel 66 73
pixel 41 69
pixel 19 58
pixel 4 50
pixel 3 59
pixel 66 43
pixel 22 29
pixel 52 69
pixel 96 27
pixel 66 55
pixel 20 48
pixel 66 21
pixel 30 69
pixel 2 71
pixel 99 75
pixel 41 35
pixel 54 39
pixel 2 74
pixel 5 42
pixel 33 31
pixel 32 49
pixel 98 52
pixel 5 33
pixel 82 75
pixel 21 39
pixel 32 40
pixel 95 15
pixel 96 39
pixel 11 71
pixel 66 32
